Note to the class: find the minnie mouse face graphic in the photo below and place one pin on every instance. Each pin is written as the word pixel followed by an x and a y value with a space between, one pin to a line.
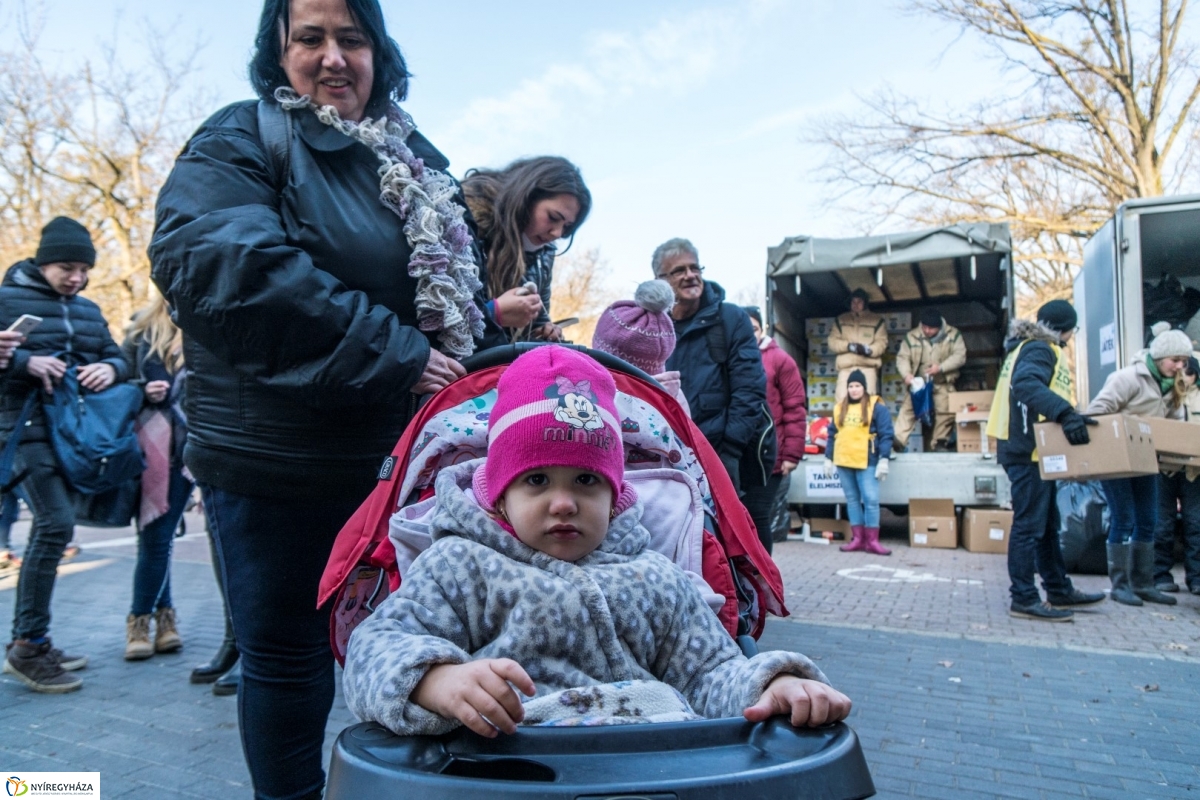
pixel 576 404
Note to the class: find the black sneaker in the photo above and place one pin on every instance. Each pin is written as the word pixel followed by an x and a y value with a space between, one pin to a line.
pixel 1075 598
pixel 1042 611
pixel 36 667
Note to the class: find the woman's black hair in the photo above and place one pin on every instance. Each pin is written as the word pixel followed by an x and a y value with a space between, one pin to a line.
pixel 391 73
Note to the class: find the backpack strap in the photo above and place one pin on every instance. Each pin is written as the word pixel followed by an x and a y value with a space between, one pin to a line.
pixel 275 133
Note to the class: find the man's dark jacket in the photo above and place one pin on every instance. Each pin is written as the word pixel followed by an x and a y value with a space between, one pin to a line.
pixel 728 413
pixel 70 324
pixel 1029 390
pixel 297 308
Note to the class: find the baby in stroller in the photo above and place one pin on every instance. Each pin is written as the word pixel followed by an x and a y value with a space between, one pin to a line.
pixel 539 579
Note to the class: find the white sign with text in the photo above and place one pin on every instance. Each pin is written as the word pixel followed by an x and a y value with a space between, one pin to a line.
pixel 820 486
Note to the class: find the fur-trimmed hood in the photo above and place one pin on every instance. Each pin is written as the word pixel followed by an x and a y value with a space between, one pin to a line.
pixel 1021 330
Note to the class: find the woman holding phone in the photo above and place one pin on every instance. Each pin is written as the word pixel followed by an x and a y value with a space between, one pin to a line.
pixel 48 286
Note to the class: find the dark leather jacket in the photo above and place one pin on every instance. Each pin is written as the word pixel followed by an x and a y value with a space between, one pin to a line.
pixel 296 307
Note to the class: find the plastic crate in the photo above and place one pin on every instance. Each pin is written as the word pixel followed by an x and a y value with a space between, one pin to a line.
pixel 726 759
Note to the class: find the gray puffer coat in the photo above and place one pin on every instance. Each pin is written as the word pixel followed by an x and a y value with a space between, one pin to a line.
pixel 620 613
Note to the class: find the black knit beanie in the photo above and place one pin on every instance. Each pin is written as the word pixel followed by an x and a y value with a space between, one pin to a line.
pixel 858 377
pixel 931 317
pixel 861 294
pixel 1058 315
pixel 65 240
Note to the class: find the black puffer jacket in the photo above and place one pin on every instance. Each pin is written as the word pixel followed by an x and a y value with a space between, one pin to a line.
pixel 727 413
pixel 1030 398
pixel 73 325
pixel 296 307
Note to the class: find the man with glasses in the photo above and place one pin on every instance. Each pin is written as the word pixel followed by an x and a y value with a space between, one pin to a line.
pixel 721 370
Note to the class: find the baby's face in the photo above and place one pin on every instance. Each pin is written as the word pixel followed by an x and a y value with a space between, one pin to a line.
pixel 560 511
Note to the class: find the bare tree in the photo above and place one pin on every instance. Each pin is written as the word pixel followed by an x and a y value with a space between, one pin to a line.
pixel 94 143
pixel 1101 110
pixel 580 290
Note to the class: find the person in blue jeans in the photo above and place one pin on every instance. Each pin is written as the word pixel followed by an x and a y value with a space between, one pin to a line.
pixel 1146 388
pixel 154 346
pixel 859 448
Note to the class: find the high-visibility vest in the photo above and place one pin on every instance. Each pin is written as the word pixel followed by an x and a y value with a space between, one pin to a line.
pixel 1061 383
pixel 853 442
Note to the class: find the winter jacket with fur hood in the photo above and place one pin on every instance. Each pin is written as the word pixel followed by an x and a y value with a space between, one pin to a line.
pixel 1133 390
pixel 620 613
pixel 1030 397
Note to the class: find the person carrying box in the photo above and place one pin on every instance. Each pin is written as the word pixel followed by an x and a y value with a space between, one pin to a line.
pixel 1035 384
pixel 859 340
pixel 933 351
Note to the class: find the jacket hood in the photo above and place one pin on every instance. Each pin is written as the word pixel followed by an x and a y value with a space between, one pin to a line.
pixel 1021 330
pixel 26 273
pixel 713 294
pixel 458 514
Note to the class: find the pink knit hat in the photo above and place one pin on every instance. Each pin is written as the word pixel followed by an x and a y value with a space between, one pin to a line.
pixel 555 407
pixel 640 331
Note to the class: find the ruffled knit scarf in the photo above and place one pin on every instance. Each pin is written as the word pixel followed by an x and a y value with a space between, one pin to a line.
pixel 442 261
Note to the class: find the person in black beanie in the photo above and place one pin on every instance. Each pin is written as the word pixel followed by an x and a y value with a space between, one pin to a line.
pixel 1035 383
pixel 933 351
pixel 48 286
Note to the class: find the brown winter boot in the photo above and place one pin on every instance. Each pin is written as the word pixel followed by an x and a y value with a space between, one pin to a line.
pixel 871 543
pixel 857 540
pixel 137 637
pixel 166 635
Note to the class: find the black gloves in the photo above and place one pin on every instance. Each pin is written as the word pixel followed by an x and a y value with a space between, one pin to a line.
pixel 1075 427
pixel 859 349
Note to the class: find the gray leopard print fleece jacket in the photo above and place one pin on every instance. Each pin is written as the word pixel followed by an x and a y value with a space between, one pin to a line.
pixel 620 613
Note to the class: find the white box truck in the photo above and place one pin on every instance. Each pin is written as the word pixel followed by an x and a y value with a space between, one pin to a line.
pixel 962 270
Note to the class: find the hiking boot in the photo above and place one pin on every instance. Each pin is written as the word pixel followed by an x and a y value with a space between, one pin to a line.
pixel 36 667
pixel 137 637
pixel 1042 611
pixel 1074 598
pixel 166 635
pixel 69 663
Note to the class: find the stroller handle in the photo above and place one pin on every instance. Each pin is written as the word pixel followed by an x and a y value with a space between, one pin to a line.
pixel 507 353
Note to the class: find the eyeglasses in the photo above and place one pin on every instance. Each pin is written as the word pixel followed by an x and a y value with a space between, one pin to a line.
pixel 683 269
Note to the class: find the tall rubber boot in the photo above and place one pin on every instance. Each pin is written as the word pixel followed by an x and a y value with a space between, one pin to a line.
pixel 858 540
pixel 872 544
pixel 1141 575
pixel 1118 573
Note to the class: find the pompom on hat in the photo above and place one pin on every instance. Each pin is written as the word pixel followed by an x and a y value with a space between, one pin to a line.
pixel 1171 344
pixel 640 331
pixel 555 407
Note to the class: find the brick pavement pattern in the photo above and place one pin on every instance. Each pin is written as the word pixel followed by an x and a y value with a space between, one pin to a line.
pixel 953 698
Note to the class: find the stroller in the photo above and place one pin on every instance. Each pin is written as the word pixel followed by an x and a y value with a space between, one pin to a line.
pixel 718 548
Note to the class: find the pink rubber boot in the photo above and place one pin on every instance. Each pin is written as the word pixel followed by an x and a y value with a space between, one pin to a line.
pixel 858 540
pixel 871 543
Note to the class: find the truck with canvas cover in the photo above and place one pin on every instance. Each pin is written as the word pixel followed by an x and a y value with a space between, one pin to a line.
pixel 963 271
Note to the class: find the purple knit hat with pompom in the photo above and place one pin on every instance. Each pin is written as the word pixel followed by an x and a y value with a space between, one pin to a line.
pixel 640 331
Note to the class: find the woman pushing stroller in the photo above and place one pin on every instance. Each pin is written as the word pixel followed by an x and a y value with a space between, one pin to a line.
pixel 539 578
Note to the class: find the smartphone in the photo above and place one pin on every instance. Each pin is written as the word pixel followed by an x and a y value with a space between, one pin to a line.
pixel 25 323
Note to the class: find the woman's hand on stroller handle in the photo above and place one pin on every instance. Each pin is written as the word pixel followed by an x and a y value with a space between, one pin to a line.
pixel 808 703
pixel 478 694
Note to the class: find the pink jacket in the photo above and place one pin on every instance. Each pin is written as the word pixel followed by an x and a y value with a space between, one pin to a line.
pixel 786 398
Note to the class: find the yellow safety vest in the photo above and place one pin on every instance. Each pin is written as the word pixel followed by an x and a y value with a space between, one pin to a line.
pixel 1061 383
pixel 854 440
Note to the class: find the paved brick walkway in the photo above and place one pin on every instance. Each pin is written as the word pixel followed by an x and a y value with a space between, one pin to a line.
pixel 952 697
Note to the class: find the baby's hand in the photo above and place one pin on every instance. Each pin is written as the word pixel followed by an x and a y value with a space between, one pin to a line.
pixel 477 694
pixel 810 703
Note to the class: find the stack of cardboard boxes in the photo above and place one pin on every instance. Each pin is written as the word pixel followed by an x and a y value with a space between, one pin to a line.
pixel 934 523
pixel 821 378
pixel 971 411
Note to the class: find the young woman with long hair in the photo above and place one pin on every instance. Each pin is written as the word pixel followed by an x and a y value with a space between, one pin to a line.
pixel 154 346
pixel 520 212
pixel 859 446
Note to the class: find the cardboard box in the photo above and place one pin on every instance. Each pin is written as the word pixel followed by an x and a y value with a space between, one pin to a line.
pixel 819 348
pixel 1174 437
pixel 840 528
pixel 932 523
pixel 818 327
pixel 823 367
pixel 1120 446
pixel 898 321
pixel 976 401
pixel 970 426
pixel 986 530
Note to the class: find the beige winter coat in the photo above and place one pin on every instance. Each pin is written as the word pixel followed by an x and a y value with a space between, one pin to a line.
pixel 1133 390
pixel 918 353
pixel 865 328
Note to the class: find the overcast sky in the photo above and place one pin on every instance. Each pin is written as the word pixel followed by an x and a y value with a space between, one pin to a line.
pixel 686 118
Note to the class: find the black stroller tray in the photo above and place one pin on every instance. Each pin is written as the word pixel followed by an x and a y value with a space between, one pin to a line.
pixel 727 759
